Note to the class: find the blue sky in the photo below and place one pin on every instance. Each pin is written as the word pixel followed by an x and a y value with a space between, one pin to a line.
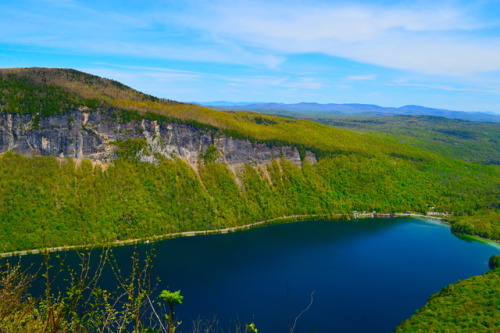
pixel 443 54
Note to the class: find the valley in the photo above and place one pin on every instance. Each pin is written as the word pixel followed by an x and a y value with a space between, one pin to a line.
pixel 86 160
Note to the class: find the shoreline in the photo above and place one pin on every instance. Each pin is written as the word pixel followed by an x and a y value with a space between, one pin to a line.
pixel 156 238
pixel 276 220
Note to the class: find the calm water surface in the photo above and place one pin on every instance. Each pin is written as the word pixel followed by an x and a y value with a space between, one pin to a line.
pixel 367 276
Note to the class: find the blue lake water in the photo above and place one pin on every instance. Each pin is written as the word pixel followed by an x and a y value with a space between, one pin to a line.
pixel 367 275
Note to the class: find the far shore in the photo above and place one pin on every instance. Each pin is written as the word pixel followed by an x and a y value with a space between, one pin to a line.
pixel 281 219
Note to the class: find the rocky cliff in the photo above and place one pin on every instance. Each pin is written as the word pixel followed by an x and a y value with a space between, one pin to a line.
pixel 92 135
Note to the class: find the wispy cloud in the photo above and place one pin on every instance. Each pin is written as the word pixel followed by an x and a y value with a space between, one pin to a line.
pixel 143 76
pixel 321 50
pixel 162 71
pixel 432 39
pixel 264 81
pixel 259 80
pixel 304 83
pixel 62 3
pixel 72 27
pixel 361 77
pixel 451 88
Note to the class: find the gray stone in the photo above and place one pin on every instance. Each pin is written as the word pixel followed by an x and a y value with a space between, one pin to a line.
pixel 90 135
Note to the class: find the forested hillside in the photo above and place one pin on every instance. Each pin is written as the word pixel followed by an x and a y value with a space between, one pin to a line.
pixel 470 305
pixel 471 141
pixel 141 166
pixel 460 139
pixel 46 92
pixel 304 109
pixel 50 201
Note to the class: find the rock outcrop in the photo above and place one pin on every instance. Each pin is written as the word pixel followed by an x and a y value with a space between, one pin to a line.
pixel 91 135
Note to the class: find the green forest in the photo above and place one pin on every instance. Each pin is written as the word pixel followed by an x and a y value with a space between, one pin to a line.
pixel 470 305
pixel 46 201
pixel 459 139
pixel 471 141
pixel 72 202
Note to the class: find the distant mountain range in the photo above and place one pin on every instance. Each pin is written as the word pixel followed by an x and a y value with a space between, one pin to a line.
pixel 337 110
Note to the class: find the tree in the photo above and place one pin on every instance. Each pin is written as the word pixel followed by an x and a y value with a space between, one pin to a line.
pixel 171 298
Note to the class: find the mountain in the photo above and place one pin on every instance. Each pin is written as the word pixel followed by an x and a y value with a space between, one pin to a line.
pixel 66 113
pixel 89 160
pixel 472 116
pixel 225 103
pixel 331 110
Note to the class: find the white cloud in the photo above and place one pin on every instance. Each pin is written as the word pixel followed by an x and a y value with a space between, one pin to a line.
pixel 160 82
pixel 67 26
pixel 131 74
pixel 304 83
pixel 451 88
pixel 154 71
pixel 258 81
pixel 253 43
pixel 261 81
pixel 361 77
pixel 433 39
pixel 62 3
pixel 346 23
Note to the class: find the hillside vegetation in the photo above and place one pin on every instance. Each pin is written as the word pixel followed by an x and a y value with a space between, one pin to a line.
pixel 65 202
pixel 470 305
pixel 46 92
pixel 460 139
pixel 466 140
pixel 301 110
pixel 49 201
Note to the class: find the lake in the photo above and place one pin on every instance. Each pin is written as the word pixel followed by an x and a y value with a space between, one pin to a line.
pixel 365 276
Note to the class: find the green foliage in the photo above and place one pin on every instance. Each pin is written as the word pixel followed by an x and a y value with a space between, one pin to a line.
pixel 470 305
pixel 63 203
pixel 19 95
pixel 172 298
pixel 46 201
pixel 252 328
pixel 484 223
pixel 210 155
pixel 459 139
pixel 55 91
pixel 80 303
pixel 89 88
pixel 494 262
pixel 262 120
pixel 130 149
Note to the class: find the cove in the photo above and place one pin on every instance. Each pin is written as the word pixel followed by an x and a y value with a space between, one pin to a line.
pixel 366 275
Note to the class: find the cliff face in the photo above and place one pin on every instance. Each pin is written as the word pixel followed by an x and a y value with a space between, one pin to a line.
pixel 91 135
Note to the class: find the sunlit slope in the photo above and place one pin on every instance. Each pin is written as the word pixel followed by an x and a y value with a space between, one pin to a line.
pixel 81 86
pixel 77 203
pixel 460 139
pixel 54 91
pixel 46 201
pixel 470 305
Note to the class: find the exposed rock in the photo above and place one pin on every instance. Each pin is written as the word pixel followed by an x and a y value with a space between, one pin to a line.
pixel 90 135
